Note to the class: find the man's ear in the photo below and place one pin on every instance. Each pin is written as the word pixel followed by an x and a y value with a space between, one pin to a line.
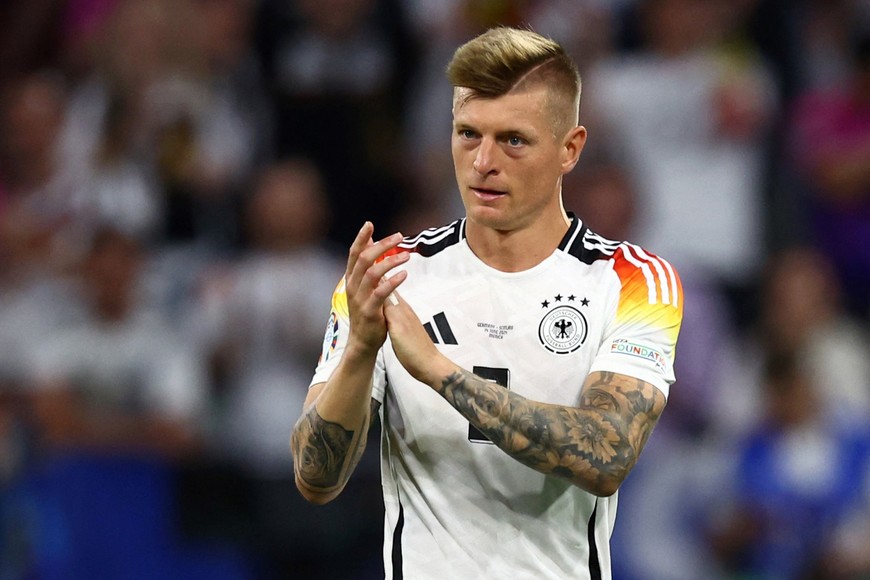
pixel 572 147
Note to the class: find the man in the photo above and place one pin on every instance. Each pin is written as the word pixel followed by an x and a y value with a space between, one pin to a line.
pixel 541 337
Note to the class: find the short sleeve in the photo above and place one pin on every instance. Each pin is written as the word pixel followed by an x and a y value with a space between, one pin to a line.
pixel 335 341
pixel 640 338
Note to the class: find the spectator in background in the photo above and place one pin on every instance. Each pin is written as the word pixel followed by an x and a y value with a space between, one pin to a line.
pixel 262 317
pixel 103 131
pixel 260 320
pixel 38 184
pixel 35 302
pixel 798 478
pixel 803 313
pixel 121 381
pixel 211 124
pixel 232 72
pixel 337 71
pixel 690 116
pixel 117 401
pixel 170 111
pixel 830 144
pixel 43 183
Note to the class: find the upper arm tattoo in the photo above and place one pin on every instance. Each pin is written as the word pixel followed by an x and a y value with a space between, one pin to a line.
pixel 325 453
pixel 594 445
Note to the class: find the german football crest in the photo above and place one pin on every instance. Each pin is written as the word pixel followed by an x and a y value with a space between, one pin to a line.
pixel 563 329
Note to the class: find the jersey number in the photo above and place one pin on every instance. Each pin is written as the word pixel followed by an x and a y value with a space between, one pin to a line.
pixel 498 376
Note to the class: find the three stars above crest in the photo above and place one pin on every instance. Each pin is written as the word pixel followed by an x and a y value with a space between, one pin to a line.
pixel 571 298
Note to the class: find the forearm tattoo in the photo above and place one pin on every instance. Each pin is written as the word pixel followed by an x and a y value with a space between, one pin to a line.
pixel 325 453
pixel 594 445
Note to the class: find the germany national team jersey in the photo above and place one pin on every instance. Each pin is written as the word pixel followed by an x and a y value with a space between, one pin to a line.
pixel 456 505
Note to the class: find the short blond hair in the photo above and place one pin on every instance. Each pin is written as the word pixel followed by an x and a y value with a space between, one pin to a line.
pixel 503 59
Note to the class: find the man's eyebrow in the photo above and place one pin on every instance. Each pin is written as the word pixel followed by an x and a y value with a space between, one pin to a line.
pixel 464 126
pixel 513 133
pixel 506 131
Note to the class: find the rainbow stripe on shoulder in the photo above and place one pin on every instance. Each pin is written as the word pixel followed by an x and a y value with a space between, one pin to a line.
pixel 651 290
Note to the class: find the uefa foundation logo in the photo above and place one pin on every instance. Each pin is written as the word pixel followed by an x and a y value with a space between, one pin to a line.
pixel 563 330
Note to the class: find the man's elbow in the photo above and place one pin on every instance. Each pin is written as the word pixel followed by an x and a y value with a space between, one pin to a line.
pixel 605 489
pixel 316 496
pixel 602 486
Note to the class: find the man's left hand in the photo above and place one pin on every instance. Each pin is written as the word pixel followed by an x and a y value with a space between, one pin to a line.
pixel 412 344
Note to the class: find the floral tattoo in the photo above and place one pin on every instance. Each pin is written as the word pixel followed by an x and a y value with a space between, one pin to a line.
pixel 593 445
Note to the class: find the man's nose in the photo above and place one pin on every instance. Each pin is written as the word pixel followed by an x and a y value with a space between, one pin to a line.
pixel 485 160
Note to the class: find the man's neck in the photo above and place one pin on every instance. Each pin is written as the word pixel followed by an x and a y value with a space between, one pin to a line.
pixel 516 250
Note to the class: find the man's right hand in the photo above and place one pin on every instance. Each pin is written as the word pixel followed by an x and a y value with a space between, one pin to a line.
pixel 367 287
pixel 330 436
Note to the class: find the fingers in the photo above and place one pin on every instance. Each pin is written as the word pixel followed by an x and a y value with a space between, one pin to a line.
pixel 379 270
pixel 386 289
pixel 364 270
pixel 362 241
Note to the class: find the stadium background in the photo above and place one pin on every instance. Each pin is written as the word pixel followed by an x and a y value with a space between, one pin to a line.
pixel 179 180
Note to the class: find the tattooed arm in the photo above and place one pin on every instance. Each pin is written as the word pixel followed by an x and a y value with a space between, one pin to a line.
pixel 325 453
pixel 593 445
pixel 330 436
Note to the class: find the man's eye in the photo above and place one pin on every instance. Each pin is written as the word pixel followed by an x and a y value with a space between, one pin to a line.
pixel 515 141
pixel 467 134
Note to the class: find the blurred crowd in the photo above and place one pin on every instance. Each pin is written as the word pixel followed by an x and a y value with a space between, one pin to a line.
pixel 179 181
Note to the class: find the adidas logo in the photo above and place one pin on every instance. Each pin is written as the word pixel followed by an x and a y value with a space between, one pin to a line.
pixel 443 329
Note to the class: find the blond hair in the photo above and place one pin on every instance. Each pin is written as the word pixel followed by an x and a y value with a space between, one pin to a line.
pixel 504 59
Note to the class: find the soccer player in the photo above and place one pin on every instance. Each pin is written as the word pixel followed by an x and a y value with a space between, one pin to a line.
pixel 518 361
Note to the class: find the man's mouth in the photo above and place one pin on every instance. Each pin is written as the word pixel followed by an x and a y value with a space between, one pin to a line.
pixel 487 194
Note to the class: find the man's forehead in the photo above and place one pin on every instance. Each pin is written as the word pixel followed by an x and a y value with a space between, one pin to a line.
pixel 462 96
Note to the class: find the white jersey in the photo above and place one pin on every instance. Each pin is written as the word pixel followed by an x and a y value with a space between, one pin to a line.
pixel 456 505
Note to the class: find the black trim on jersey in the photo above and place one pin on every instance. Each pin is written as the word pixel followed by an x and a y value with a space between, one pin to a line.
pixel 594 564
pixel 575 223
pixel 397 545
pixel 443 237
pixel 586 245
